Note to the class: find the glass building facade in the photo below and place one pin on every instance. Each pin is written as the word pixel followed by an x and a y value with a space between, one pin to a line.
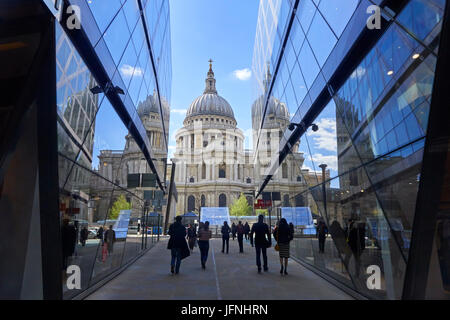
pixel 98 122
pixel 369 93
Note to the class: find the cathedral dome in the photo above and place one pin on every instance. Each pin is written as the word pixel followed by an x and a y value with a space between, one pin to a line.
pixel 151 105
pixel 210 103
pixel 276 109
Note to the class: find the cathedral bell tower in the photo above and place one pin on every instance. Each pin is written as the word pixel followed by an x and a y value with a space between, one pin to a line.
pixel 210 80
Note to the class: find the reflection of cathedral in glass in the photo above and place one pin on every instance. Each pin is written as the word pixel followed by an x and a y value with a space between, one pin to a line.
pixel 116 165
pixel 213 168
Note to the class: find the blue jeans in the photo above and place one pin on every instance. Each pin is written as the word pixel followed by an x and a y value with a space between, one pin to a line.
pixel 204 248
pixel 176 257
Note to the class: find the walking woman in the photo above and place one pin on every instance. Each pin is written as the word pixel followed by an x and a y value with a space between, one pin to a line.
pixel 283 235
pixel 177 245
pixel 204 234
pixel 191 236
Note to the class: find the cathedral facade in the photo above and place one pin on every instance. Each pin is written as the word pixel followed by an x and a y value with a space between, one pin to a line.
pixel 212 166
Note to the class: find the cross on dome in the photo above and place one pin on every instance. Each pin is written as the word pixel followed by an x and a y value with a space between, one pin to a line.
pixel 210 80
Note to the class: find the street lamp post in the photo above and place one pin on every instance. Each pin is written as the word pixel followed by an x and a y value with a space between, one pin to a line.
pixel 324 166
pixel 146 208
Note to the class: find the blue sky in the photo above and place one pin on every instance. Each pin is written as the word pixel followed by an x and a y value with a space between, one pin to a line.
pixel 223 31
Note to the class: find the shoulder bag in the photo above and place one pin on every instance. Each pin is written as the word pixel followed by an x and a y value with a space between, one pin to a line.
pixel 277 247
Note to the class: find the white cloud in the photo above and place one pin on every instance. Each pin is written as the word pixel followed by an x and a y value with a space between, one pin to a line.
pixel 179 111
pixel 243 74
pixel 330 160
pixel 129 71
pixel 325 138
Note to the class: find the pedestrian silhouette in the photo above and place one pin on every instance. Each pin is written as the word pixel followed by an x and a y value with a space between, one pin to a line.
pixel 204 234
pixel 283 235
pixel 177 245
pixel 225 236
pixel 240 236
pixel 233 230
pixel 261 230
pixel 321 234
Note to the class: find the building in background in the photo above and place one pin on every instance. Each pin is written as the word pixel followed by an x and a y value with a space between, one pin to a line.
pixel 370 93
pixel 84 140
pixel 213 169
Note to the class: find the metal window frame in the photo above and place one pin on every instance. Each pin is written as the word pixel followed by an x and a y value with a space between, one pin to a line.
pixel 436 150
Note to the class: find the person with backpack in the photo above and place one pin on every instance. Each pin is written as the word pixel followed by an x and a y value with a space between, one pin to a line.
pixel 240 236
pixel 225 236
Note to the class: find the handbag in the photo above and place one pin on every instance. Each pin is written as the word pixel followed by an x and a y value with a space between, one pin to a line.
pixel 277 247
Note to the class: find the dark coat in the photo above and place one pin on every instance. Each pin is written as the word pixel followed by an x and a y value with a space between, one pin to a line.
pixel 69 238
pixel 261 229
pixel 240 229
pixel 322 229
pixel 283 234
pixel 177 233
pixel 191 233
pixel 225 232
pixel 356 238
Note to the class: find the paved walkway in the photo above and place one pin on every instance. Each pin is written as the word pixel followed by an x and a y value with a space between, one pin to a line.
pixel 228 277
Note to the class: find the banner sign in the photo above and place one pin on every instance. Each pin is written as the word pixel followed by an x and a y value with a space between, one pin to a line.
pixel 299 216
pixel 215 215
pixel 121 225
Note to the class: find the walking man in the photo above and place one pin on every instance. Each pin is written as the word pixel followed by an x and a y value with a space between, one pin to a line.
pixel 110 239
pixel 321 234
pixel 246 230
pixel 233 230
pixel 261 229
pixel 225 236
pixel 240 236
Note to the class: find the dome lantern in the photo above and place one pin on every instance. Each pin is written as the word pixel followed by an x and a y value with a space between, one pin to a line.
pixel 210 103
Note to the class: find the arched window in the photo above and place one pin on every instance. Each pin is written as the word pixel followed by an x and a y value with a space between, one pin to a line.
pixel 222 200
pixel 299 201
pixel 284 169
pixel 191 203
pixel 203 171
pixel 222 171
pixel 249 180
pixel 286 200
pixel 203 201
